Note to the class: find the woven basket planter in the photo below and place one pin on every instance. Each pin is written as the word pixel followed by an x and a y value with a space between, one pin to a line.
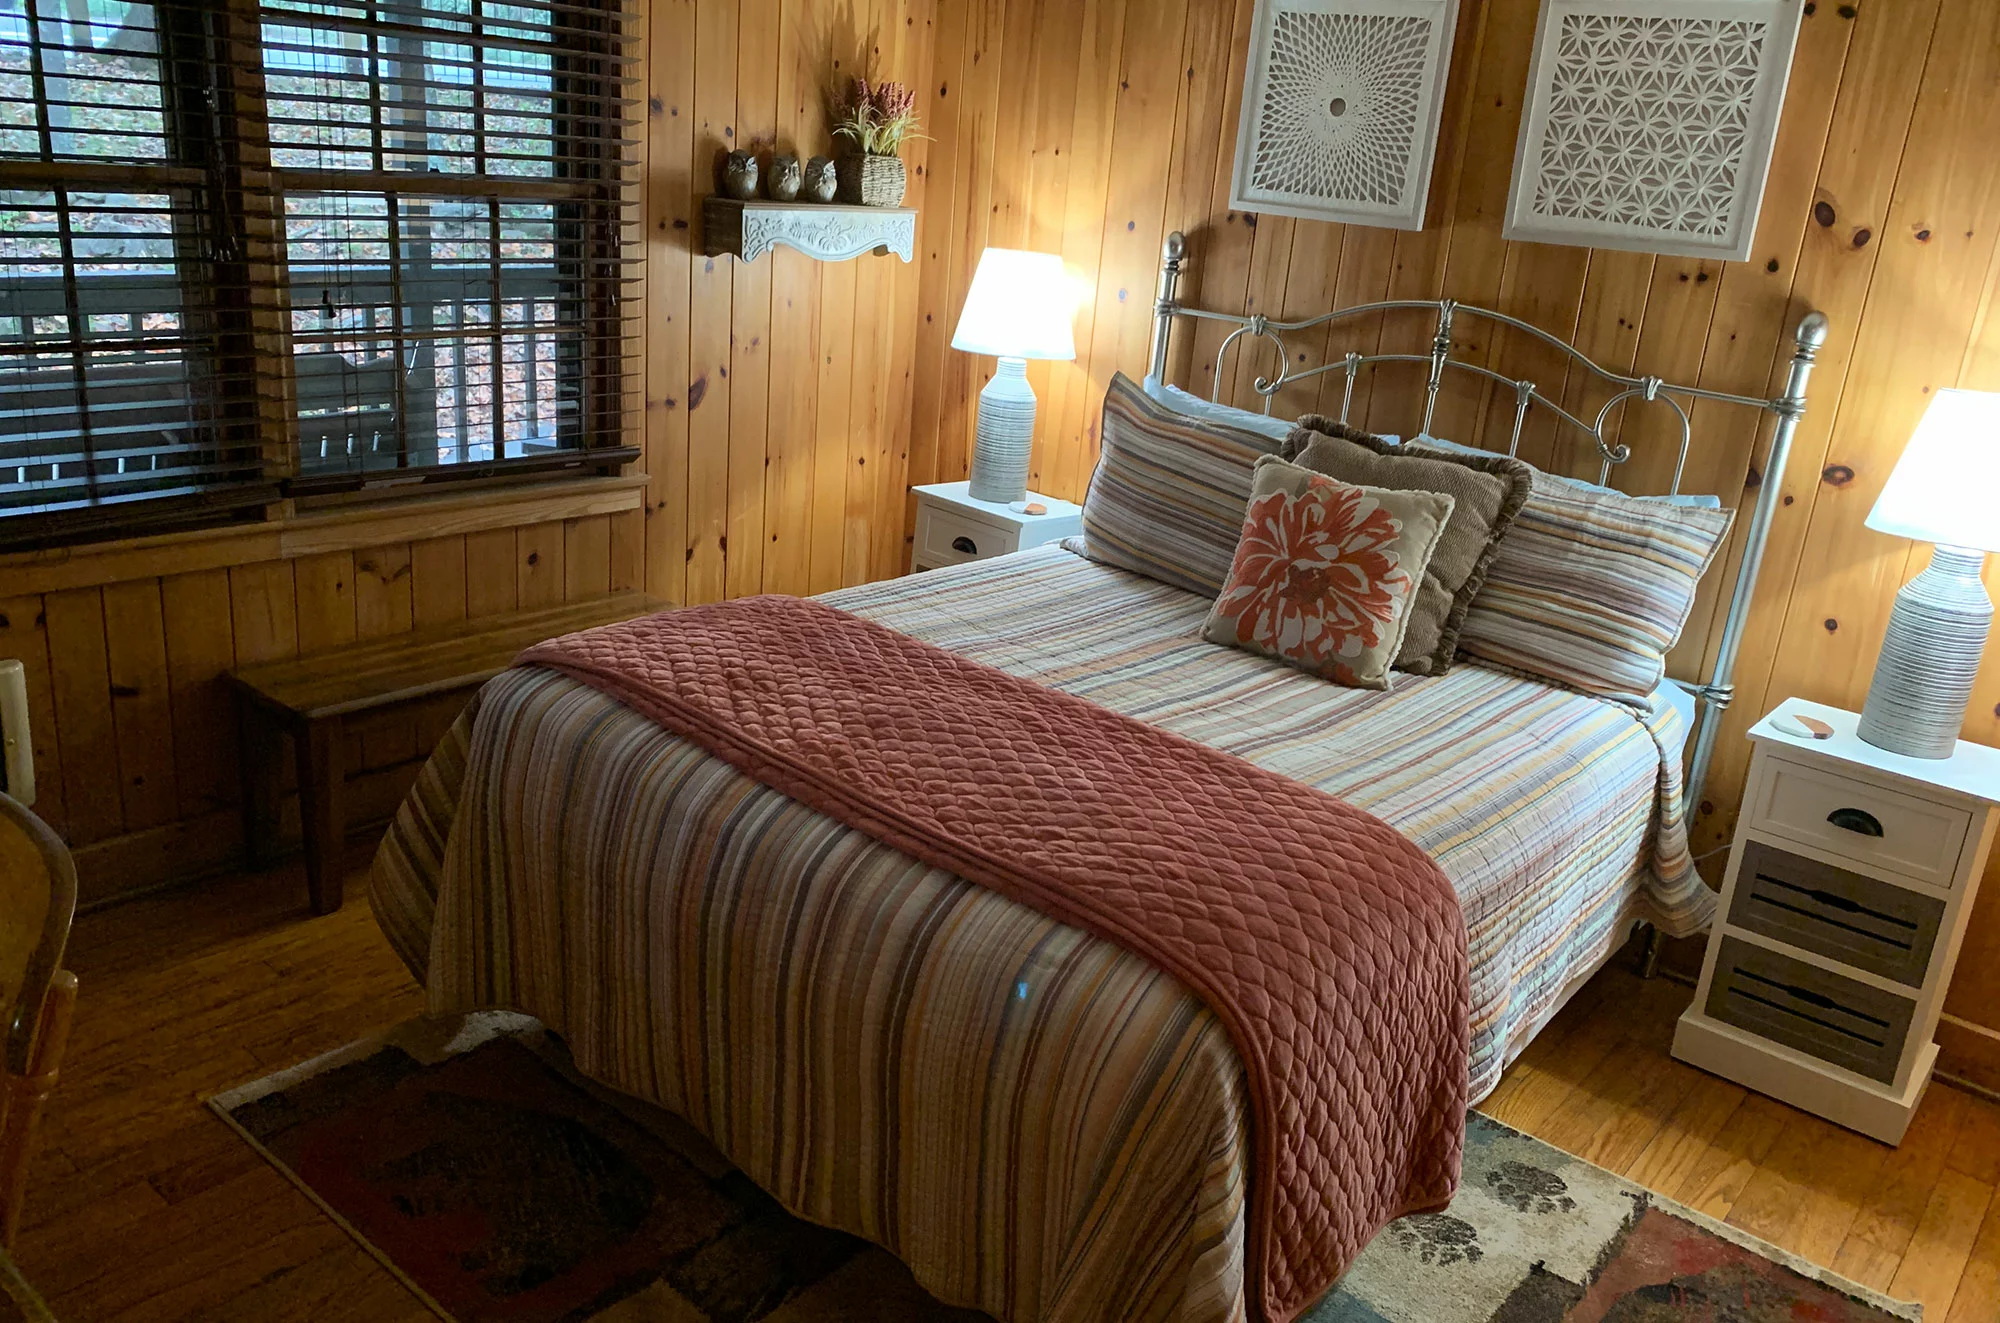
pixel 871 181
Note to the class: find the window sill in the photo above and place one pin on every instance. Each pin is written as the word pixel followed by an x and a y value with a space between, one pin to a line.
pixel 350 527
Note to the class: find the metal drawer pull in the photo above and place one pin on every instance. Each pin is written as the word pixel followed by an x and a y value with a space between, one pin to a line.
pixel 967 546
pixel 1856 820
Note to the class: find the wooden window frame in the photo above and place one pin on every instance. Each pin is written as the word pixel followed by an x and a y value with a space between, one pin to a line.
pixel 252 308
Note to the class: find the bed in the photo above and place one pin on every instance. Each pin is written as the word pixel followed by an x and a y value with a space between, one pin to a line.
pixel 1040 1124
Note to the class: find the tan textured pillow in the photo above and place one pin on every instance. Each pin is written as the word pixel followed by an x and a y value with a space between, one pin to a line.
pixel 1487 492
pixel 1326 573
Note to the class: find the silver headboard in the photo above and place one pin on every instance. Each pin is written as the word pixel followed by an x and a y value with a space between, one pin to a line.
pixel 1714 693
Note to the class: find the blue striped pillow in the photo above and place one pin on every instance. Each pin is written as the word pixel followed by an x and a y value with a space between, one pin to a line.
pixel 1170 492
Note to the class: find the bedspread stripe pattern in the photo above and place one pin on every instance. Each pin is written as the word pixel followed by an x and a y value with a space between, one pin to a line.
pixel 1329 944
pixel 769 974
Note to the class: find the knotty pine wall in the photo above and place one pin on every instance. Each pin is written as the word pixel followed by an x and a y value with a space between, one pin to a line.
pixel 776 427
pixel 1095 128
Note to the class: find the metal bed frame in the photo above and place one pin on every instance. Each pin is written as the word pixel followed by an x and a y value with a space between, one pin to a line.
pixel 1715 692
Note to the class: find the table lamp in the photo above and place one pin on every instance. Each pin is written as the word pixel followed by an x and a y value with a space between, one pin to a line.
pixel 1940 492
pixel 1018 308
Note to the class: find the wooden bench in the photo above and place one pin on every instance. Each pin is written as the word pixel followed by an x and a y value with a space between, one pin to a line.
pixel 309 699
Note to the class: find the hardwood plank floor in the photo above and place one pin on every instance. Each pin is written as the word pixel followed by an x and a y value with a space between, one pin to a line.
pixel 143 1206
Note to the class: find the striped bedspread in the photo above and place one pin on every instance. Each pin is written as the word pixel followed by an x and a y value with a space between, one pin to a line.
pixel 1038 1123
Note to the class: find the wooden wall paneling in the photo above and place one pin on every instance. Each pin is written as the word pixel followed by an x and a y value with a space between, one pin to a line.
pixel 670 230
pixel 586 558
pixel 81 669
pixel 1367 257
pixel 383 591
pixel 788 480
pixel 201 646
pixel 1204 146
pixel 756 130
pixel 135 634
pixel 1543 285
pixel 437 576
pixel 1221 241
pixel 868 403
pixel 937 292
pixel 1270 268
pixel 1032 212
pixel 538 565
pixel 1076 397
pixel 325 602
pixel 710 311
pixel 1134 223
pixel 1616 286
pixel 868 418
pixel 263 611
pixel 961 376
pixel 24 636
pixel 1948 188
pixel 491 586
pixel 1395 402
pixel 1310 289
pixel 916 25
pixel 1477 259
pixel 835 381
pixel 628 551
pixel 1754 307
pixel 1866 140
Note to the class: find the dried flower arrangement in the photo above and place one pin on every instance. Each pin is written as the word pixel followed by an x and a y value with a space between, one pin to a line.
pixel 876 120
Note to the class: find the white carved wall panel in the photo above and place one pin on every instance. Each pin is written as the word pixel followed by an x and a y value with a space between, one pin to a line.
pixel 1341 100
pixel 1649 123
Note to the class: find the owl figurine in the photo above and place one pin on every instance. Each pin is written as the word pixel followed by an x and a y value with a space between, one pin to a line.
pixel 820 184
pixel 787 176
pixel 739 176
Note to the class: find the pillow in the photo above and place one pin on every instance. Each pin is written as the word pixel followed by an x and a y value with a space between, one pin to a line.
pixel 1208 411
pixel 1592 589
pixel 1168 495
pixel 1453 447
pixel 1326 572
pixel 1487 491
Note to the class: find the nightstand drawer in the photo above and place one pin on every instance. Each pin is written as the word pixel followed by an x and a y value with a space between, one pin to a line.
pixel 1829 911
pixel 1862 822
pixel 951 537
pixel 1849 1024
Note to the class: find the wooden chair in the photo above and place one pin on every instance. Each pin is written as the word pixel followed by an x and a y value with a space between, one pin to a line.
pixel 37 902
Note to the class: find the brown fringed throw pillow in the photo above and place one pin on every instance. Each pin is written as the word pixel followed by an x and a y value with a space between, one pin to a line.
pixel 1326 572
pixel 1487 492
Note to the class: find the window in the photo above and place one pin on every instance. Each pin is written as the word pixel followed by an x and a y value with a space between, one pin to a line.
pixel 259 249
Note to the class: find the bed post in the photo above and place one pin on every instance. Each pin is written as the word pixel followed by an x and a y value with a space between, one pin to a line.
pixel 1172 254
pixel 1720 689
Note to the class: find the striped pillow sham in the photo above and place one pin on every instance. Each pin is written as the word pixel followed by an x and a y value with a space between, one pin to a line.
pixel 1592 589
pixel 1170 492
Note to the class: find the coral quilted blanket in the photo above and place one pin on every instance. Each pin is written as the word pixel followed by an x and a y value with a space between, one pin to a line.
pixel 1331 947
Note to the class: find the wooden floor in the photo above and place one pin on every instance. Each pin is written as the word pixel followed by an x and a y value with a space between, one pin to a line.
pixel 143 1206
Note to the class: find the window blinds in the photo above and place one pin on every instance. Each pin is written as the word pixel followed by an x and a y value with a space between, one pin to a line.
pixel 295 245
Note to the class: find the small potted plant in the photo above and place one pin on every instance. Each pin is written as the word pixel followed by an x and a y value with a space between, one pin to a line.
pixel 875 123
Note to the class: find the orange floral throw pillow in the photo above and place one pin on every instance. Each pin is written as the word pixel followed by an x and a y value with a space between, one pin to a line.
pixel 1325 573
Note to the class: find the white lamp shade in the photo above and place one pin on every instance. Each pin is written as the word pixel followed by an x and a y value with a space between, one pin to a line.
pixel 1020 306
pixel 1943 488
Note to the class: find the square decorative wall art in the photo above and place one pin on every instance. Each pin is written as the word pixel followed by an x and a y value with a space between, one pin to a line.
pixel 1649 123
pixel 1341 100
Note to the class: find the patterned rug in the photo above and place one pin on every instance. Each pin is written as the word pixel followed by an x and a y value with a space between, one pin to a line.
pixel 476 1165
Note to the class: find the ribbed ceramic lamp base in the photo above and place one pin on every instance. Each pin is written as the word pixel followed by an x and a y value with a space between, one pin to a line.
pixel 1924 678
pixel 1006 435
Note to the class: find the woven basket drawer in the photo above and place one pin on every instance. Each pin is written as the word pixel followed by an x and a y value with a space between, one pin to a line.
pixel 1829 911
pixel 1802 1006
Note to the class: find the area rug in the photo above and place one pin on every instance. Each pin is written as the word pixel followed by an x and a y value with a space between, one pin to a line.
pixel 472 1160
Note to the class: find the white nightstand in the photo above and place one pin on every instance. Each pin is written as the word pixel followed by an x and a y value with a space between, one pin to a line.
pixel 953 528
pixel 1848 892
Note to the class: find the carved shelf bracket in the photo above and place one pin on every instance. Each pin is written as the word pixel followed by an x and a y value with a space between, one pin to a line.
pixel 827 231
